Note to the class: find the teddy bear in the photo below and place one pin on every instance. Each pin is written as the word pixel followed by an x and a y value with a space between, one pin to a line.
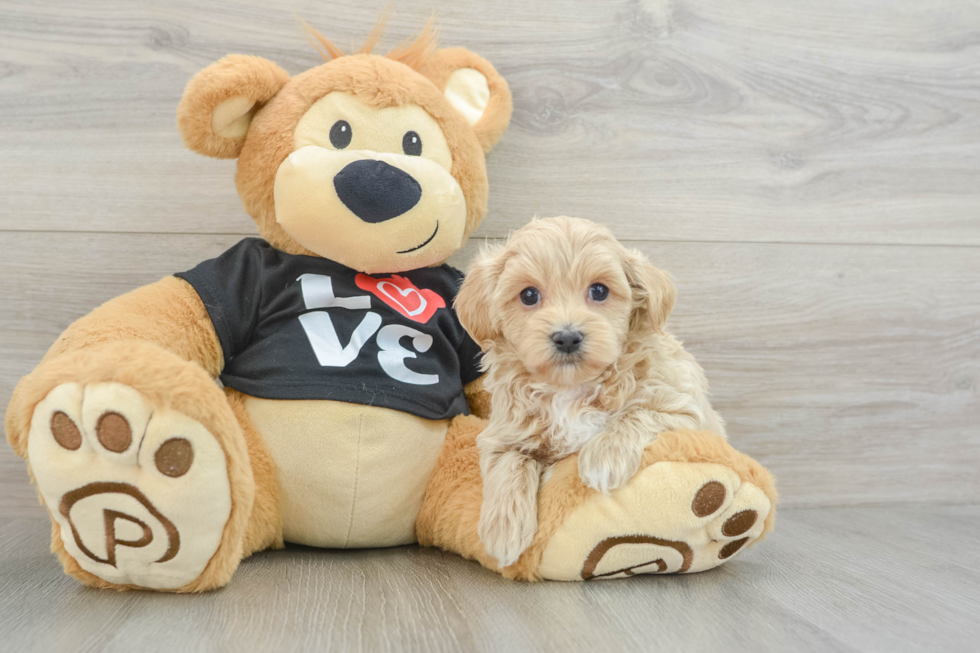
pixel 349 396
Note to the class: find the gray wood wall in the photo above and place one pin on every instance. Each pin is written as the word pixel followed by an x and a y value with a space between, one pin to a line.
pixel 809 172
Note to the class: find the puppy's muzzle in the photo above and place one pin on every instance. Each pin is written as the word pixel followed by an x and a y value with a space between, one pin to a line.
pixel 376 191
pixel 567 341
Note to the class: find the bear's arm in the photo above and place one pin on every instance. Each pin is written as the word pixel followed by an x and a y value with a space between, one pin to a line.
pixel 477 398
pixel 168 313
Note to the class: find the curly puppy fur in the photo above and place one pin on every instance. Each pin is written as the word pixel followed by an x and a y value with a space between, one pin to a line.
pixel 627 380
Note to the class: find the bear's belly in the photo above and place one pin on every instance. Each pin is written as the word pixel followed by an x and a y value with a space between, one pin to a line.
pixel 351 475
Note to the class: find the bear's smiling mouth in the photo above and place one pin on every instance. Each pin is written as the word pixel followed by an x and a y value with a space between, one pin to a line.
pixel 427 241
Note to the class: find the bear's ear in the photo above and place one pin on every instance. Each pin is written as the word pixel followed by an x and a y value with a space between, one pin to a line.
pixel 474 88
pixel 219 102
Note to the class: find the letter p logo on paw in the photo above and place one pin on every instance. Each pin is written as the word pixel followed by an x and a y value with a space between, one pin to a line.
pixel 136 524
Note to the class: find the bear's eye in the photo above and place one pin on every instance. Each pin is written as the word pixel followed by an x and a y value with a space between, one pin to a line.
pixel 530 296
pixel 340 134
pixel 598 292
pixel 412 144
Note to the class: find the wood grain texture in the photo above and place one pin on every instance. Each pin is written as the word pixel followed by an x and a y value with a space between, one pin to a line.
pixel 795 121
pixel 851 371
pixel 829 579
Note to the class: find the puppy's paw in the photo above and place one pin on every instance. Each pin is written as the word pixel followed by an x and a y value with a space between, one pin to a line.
pixel 506 534
pixel 607 463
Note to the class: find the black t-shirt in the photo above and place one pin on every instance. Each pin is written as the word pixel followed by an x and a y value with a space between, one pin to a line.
pixel 303 327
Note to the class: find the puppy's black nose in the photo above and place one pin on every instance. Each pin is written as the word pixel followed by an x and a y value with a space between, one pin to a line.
pixel 566 341
pixel 375 191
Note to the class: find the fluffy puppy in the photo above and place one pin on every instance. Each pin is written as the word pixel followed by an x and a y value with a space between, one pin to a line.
pixel 577 359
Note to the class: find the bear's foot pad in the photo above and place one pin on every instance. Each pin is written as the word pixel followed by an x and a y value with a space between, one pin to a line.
pixel 670 518
pixel 141 494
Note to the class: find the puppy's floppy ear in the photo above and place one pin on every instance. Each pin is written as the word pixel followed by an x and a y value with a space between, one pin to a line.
pixel 653 292
pixel 475 89
pixel 472 303
pixel 218 104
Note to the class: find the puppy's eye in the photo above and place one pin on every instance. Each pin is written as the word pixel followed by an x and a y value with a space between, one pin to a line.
pixel 598 292
pixel 530 296
pixel 340 134
pixel 412 144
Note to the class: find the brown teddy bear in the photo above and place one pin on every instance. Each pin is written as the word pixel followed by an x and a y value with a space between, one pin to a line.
pixel 347 378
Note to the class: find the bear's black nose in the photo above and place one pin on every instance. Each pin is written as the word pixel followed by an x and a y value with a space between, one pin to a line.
pixel 375 191
pixel 566 341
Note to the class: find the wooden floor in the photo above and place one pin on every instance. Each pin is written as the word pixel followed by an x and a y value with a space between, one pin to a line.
pixel 809 172
pixel 902 578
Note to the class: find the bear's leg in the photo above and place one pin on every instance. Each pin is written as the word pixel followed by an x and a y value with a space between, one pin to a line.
pixel 694 504
pixel 450 513
pixel 143 467
pixel 264 528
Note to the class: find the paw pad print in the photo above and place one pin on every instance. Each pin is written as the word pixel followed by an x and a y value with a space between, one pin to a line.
pixel 649 527
pixel 141 494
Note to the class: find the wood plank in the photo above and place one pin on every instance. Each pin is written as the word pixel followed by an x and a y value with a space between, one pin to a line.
pixel 698 120
pixel 852 371
pixel 829 579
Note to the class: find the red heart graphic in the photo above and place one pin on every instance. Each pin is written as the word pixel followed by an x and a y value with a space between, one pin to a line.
pixel 402 295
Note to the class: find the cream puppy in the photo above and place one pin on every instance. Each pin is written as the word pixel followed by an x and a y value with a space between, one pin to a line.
pixel 578 361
